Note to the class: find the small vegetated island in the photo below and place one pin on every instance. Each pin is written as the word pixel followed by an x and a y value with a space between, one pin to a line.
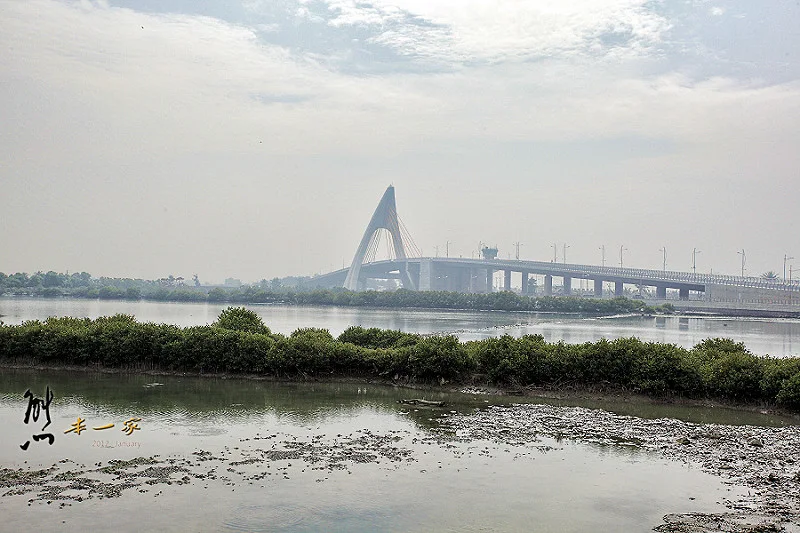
pixel 301 291
pixel 240 343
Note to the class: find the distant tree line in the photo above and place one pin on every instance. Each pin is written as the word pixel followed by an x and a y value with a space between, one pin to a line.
pixel 239 342
pixel 297 291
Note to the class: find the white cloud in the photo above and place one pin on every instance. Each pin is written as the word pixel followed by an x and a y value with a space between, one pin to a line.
pixel 104 103
pixel 507 30
pixel 194 84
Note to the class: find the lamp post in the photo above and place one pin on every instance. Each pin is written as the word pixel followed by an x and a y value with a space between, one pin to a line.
pixel 564 255
pixel 785 257
pixel 603 254
pixel 744 259
pixel 555 253
pixel 664 249
pixel 695 251
pixel 447 248
pixel 517 245
pixel 621 249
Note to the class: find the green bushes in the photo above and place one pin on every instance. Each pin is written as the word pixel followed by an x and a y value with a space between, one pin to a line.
pixel 378 338
pixel 241 319
pixel 728 369
pixel 438 358
pixel 789 395
pixel 240 342
pixel 83 285
pixel 503 360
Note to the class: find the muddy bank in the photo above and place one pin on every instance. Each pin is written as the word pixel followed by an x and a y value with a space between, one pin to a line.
pixel 573 393
pixel 760 458
pixel 249 461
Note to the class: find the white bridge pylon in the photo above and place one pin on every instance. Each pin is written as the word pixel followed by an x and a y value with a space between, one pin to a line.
pixel 384 217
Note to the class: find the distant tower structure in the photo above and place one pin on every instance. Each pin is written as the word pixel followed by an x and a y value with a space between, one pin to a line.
pixel 384 217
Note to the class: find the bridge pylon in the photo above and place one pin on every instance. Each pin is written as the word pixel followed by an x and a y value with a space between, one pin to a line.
pixel 384 217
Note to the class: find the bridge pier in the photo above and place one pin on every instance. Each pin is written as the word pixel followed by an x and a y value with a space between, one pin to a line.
pixel 425 275
pixel 489 280
pixel 507 280
pixel 598 288
pixel 684 293
pixel 661 292
pixel 619 288
pixel 460 280
pixel 567 286
pixel 548 285
pixel 524 283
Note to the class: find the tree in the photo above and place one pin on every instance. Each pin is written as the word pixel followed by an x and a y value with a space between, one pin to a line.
pixel 80 280
pixel 769 275
pixel 52 279
pixel 132 293
pixel 241 319
pixel 217 295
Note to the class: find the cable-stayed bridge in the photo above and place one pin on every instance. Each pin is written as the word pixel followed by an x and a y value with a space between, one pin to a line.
pixel 478 275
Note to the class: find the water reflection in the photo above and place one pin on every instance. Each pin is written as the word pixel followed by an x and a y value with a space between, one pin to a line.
pixel 176 398
pixel 776 337
pixel 560 486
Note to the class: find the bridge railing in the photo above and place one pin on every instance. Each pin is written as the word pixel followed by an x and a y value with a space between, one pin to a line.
pixel 649 275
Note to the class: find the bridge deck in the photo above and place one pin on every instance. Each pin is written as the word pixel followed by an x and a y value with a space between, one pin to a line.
pixel 673 279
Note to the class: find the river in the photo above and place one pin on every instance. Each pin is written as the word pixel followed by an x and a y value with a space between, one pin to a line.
pixel 239 455
pixel 775 337
pixel 181 453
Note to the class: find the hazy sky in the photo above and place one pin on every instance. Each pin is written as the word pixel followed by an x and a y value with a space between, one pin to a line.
pixel 254 139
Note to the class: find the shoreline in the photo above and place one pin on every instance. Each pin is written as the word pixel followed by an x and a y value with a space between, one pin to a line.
pixel 759 459
pixel 692 311
pixel 573 393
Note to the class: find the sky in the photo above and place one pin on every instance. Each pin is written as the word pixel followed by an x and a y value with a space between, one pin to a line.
pixel 253 139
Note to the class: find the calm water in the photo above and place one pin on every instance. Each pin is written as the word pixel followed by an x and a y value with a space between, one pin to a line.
pixel 441 486
pixel 776 337
pixel 438 485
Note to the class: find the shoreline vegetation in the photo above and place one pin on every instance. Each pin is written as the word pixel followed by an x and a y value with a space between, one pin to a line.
pixel 239 343
pixel 302 292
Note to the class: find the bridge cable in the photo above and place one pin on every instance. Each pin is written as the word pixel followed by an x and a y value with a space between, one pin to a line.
pixel 408 241
pixel 371 248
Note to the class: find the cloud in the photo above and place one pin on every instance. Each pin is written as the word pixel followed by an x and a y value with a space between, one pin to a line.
pixel 169 82
pixel 508 30
pixel 194 123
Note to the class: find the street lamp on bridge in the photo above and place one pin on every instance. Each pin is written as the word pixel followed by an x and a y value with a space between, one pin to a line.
pixel 603 254
pixel 664 249
pixel 695 251
pixel 744 259
pixel 621 249
pixel 785 257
